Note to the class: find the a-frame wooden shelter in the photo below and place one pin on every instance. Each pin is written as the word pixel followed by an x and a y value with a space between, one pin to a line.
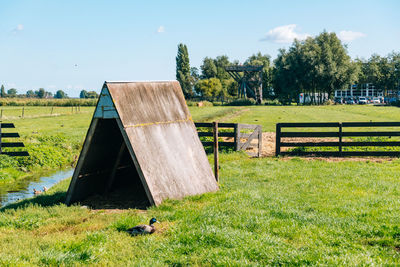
pixel 142 137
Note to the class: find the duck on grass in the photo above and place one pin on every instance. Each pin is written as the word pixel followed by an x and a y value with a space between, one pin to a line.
pixel 143 229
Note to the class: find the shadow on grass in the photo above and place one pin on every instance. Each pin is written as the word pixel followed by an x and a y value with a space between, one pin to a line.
pixel 44 200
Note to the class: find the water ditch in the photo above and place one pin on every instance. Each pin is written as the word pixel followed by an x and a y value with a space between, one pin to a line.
pixel 24 188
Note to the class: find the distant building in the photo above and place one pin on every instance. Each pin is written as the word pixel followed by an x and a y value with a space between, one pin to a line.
pixel 355 91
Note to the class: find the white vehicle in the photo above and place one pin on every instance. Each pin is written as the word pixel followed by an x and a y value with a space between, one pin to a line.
pixel 362 101
pixel 376 100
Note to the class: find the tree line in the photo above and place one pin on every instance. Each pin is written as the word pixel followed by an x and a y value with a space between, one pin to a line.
pixel 316 66
pixel 42 93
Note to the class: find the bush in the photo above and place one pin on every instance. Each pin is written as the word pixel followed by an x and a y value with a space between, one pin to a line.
pixel 274 102
pixel 242 102
pixel 48 102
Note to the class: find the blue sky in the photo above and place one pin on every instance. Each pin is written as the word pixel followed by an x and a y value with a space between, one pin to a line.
pixel 75 45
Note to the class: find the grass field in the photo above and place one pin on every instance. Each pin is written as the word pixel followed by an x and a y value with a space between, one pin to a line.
pixel 268 212
pixel 54 138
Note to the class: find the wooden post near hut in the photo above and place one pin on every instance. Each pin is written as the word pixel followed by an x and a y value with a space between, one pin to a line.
pixel 0 135
pixel 216 160
pixel 236 131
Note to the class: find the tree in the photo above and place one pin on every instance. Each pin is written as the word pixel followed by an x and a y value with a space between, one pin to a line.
pixel 12 92
pixel 30 94
pixel 208 68
pixel 2 91
pixel 314 67
pixel 183 70
pixel 60 94
pixel 41 93
pixel 83 94
pixel 209 88
pixel 92 94
pixel 264 60
pixel 221 62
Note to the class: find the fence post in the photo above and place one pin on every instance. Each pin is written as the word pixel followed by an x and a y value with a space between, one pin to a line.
pixel 237 136
pixel 278 140
pixel 216 163
pixel 259 128
pixel 23 111
pixel 51 112
pixel 0 135
pixel 340 138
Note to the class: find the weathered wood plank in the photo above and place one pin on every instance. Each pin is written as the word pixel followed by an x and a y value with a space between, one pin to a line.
pixel 9 135
pixel 343 153
pixel 223 134
pixel 308 124
pixel 14 144
pixel 309 134
pixel 16 153
pixel 245 145
pixel 371 134
pixel 228 144
pixel 7 125
pixel 209 124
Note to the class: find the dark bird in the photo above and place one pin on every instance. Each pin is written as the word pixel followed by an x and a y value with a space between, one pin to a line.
pixel 36 192
pixel 143 229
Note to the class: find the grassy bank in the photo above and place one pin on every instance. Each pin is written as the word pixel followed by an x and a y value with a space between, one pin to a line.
pixel 268 212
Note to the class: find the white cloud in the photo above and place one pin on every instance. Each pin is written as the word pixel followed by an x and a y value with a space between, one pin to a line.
pixel 284 34
pixel 18 28
pixel 348 36
pixel 161 29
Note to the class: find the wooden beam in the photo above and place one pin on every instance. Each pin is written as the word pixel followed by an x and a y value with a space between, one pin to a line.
pixel 115 167
pixel 85 148
pixel 7 125
pixel 136 162
pixel 15 144
pixel 216 159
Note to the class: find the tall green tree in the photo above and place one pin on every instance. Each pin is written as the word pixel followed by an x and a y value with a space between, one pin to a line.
pixel 183 70
pixel 2 91
pixel 12 92
pixel 83 94
pixel 208 68
pixel 41 93
pixel 30 93
pixel 60 94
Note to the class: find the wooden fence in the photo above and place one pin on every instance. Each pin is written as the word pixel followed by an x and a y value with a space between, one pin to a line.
pixel 339 144
pixel 235 132
pixel 10 144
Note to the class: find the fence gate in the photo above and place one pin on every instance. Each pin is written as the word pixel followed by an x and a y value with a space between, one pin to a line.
pixel 10 144
pixel 243 135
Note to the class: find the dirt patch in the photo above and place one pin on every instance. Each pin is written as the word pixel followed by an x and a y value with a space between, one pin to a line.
pixel 268 149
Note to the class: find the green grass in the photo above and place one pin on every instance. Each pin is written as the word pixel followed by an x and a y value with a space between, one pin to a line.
pixel 268 116
pixel 268 212
pixel 55 140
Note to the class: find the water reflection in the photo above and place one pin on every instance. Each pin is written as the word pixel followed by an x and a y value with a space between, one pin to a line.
pixel 24 188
